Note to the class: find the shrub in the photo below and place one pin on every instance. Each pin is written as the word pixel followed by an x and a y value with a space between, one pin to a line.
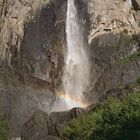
pixel 4 128
pixel 138 80
pixel 126 40
pixel 135 56
pixel 115 120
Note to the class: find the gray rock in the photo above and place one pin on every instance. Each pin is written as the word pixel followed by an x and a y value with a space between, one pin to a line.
pixel 19 104
pixel 53 138
pixel 109 67
pixel 41 126
pixel 37 127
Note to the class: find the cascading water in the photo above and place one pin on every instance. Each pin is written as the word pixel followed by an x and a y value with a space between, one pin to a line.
pixel 76 72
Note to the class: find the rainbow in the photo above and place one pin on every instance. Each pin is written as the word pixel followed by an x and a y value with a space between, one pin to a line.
pixel 71 101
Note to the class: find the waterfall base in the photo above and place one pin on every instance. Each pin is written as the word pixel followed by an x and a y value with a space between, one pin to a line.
pixel 66 102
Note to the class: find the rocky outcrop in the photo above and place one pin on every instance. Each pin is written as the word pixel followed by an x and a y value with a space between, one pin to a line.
pixel 114 65
pixel 31 57
pixel 38 127
pixel 19 103
pixel 32 40
pixel 31 43
pixel 44 127
pixel 113 46
pixel 48 127
pixel 112 17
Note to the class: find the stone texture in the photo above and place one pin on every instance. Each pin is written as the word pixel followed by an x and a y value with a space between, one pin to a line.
pixel 109 69
pixel 37 127
pixel 111 16
pixel 31 58
pixel 32 40
pixel 59 119
pixel 19 103
pixel 44 127
pixel 53 138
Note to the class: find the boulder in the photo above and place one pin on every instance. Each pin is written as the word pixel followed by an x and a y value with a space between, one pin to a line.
pixel 44 127
pixel 37 127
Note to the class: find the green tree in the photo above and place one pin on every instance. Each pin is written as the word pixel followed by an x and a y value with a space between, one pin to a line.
pixel 114 120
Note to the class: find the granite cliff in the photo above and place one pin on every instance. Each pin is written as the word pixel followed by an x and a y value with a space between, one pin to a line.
pixel 32 50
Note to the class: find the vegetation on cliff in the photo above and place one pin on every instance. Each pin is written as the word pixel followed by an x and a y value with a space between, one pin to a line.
pixel 114 120
pixel 4 128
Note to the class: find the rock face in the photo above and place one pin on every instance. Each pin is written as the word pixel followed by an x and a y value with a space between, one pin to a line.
pixel 31 57
pixel 44 127
pixel 38 127
pixel 111 47
pixel 32 46
pixel 31 42
pixel 112 17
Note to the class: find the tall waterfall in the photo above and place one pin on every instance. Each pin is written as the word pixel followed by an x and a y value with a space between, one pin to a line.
pixel 76 72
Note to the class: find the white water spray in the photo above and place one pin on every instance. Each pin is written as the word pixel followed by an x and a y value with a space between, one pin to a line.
pixel 76 73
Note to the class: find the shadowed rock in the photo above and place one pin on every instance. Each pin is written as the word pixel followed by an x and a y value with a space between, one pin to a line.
pixel 37 127
pixel 44 127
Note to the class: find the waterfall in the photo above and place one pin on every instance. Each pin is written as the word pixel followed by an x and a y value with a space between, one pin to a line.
pixel 76 72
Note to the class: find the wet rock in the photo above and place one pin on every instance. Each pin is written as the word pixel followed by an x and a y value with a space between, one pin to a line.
pixel 136 4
